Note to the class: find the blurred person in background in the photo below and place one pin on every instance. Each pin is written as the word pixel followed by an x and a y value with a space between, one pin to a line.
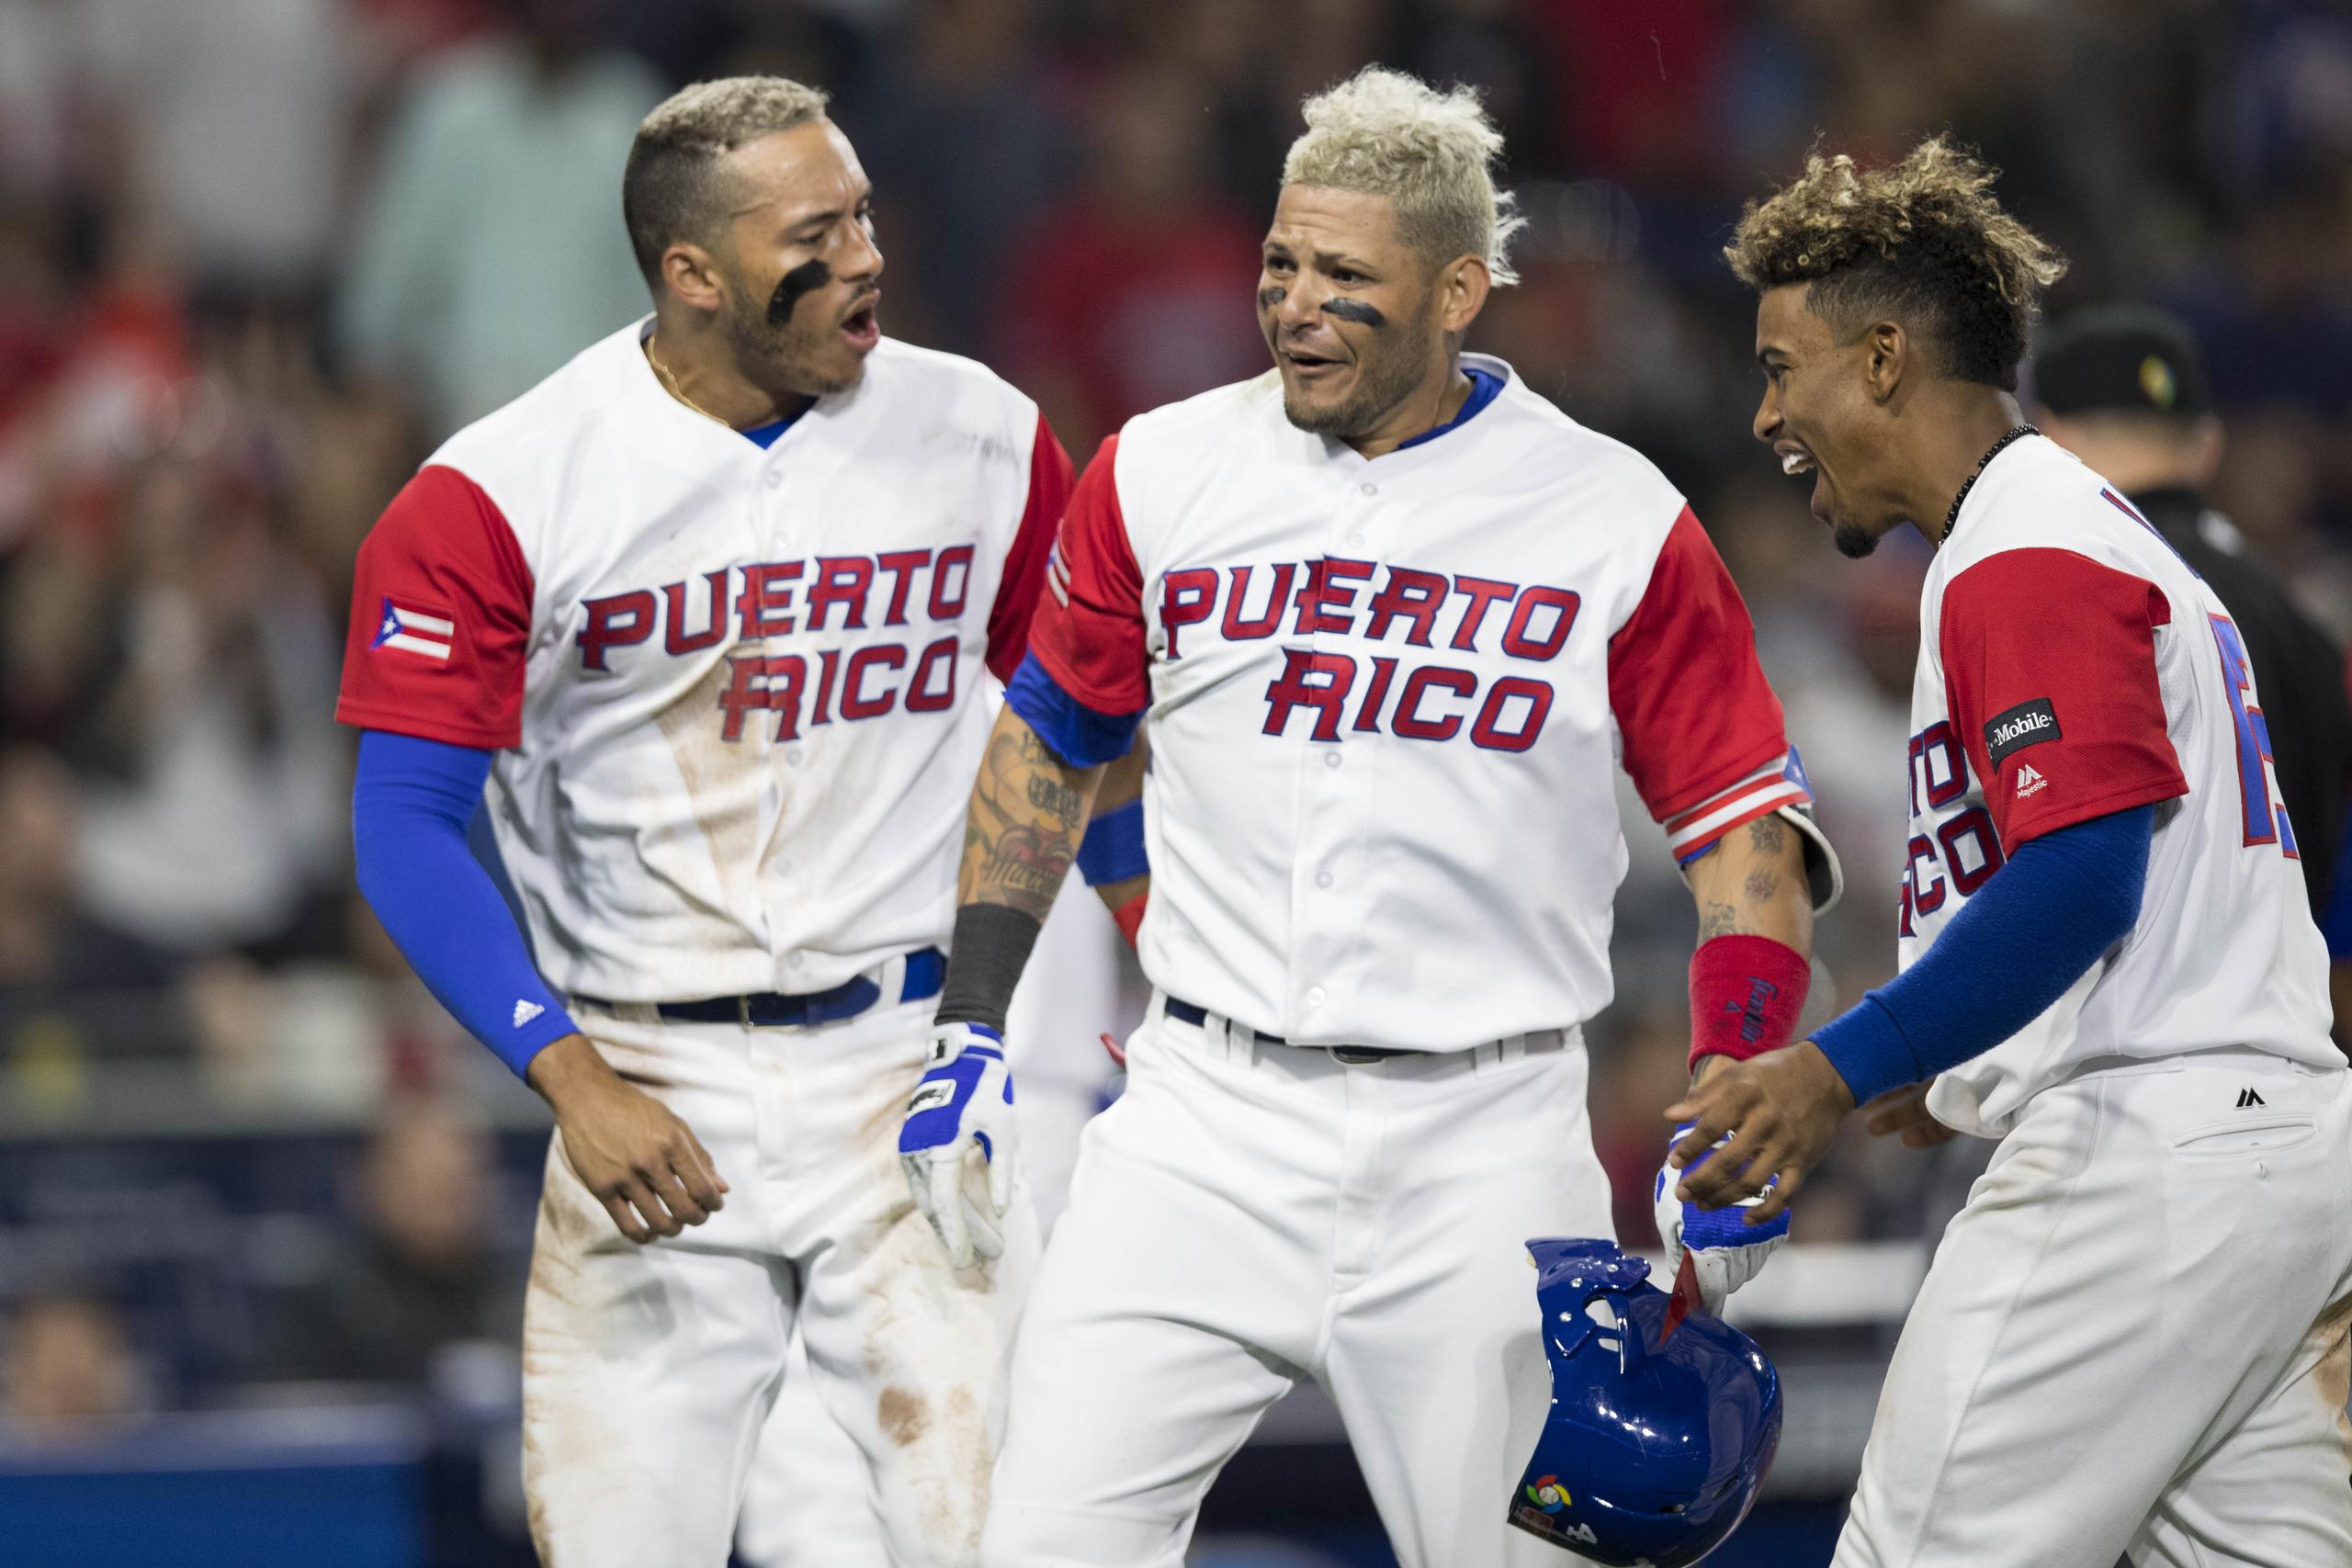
pixel 67 1368
pixel 2123 388
pixel 199 720
pixel 1121 298
pixel 503 151
pixel 71 988
pixel 225 125
pixel 423 1273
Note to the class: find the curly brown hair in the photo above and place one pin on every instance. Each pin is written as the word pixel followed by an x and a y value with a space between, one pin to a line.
pixel 1923 241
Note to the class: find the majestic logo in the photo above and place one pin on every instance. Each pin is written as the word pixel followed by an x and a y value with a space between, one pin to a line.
pixel 1548 1494
pixel 525 1012
pixel 412 631
pixel 2027 724
pixel 2247 1097
pixel 2028 781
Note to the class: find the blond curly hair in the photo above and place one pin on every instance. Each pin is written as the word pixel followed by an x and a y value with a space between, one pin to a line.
pixel 1923 241
pixel 1431 153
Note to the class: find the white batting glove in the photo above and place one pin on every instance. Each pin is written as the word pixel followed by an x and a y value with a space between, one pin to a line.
pixel 1726 1250
pixel 964 1101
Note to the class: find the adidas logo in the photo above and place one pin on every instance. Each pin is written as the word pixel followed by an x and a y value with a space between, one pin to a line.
pixel 2247 1097
pixel 526 1011
pixel 2028 781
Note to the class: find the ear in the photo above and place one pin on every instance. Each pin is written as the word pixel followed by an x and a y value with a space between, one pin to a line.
pixel 1890 350
pixel 1463 284
pixel 691 273
pixel 2205 448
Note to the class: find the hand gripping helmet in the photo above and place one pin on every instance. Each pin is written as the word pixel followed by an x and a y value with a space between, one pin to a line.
pixel 1660 1430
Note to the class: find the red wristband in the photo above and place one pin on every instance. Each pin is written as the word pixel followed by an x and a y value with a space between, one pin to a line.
pixel 1746 993
pixel 1130 915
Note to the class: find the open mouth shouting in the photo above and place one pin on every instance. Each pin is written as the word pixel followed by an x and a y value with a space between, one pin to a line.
pixel 862 327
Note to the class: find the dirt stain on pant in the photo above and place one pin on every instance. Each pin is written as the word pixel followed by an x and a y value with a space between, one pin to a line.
pixel 2332 1376
pixel 903 1416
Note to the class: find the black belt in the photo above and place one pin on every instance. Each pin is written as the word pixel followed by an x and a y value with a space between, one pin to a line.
pixel 926 970
pixel 1354 1056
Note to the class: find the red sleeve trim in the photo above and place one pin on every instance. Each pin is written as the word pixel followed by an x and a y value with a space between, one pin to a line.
pixel 440 618
pixel 2050 676
pixel 1692 702
pixel 1050 478
pixel 1088 633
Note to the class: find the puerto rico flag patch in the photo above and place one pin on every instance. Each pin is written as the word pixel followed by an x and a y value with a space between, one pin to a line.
pixel 415 631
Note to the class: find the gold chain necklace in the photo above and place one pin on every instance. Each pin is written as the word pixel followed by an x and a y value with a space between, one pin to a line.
pixel 669 381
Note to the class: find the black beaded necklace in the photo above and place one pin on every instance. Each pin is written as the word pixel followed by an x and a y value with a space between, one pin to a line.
pixel 1954 515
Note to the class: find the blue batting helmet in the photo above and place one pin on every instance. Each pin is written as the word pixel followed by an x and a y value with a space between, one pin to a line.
pixel 1657 1437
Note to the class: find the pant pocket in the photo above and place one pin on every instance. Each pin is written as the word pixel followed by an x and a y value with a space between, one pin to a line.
pixel 2227 1140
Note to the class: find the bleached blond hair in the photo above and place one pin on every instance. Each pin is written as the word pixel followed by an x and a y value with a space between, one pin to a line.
pixel 1430 153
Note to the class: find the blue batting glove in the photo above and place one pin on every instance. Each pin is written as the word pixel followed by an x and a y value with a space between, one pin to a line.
pixel 1726 1250
pixel 965 1101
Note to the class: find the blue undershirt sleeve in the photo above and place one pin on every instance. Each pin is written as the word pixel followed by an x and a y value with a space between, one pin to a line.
pixel 2033 930
pixel 410 807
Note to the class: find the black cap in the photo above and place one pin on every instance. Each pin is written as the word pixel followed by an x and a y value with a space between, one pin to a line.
pixel 2121 358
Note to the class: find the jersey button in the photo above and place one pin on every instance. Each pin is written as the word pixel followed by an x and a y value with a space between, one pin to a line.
pixel 1369 488
pixel 1314 995
pixel 1322 879
pixel 776 477
pixel 1330 759
pixel 1356 540
pixel 792 757
pixel 796 960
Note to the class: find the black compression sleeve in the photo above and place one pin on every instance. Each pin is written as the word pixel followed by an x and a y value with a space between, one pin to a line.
pixel 985 958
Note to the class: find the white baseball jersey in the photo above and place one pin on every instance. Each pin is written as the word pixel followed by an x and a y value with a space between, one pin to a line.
pixel 736 691
pixel 2071 666
pixel 1387 698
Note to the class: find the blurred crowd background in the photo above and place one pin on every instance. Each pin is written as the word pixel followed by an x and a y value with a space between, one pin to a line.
pixel 258 256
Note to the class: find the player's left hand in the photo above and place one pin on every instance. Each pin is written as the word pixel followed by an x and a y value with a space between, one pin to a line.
pixel 1762 1125
pixel 964 1101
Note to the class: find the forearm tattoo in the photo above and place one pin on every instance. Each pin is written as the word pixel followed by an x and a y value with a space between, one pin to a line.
pixel 1027 815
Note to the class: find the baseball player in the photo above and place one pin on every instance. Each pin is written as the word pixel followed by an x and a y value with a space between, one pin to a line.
pixel 1390 620
pixel 2132 1337
pixel 710 609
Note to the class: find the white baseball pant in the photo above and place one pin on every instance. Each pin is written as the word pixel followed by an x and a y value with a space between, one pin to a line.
pixel 1250 1214
pixel 2133 1339
pixel 805 1465
pixel 649 1371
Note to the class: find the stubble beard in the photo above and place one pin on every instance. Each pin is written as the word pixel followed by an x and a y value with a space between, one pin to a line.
pixel 783 361
pixel 1387 374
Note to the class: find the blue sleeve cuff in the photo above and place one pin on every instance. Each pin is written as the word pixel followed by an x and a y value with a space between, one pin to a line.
pixel 2033 930
pixel 1869 1049
pixel 1078 735
pixel 1112 850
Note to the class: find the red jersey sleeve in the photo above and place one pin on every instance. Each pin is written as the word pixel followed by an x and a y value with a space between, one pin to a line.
pixel 2049 674
pixel 1033 544
pixel 1704 739
pixel 440 618
pixel 1089 635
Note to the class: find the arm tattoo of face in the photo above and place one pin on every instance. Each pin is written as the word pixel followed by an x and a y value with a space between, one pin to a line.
pixel 1717 920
